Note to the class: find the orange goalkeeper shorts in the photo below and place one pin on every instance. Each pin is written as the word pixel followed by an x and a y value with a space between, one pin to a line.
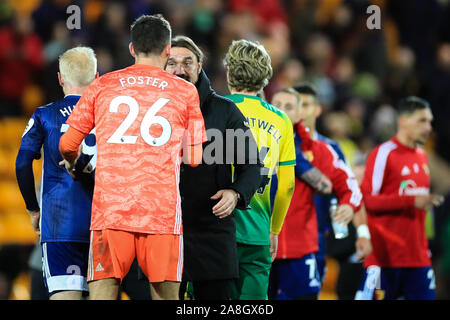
pixel 112 252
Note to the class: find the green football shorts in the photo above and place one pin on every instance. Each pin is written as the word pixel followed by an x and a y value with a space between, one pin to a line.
pixel 254 270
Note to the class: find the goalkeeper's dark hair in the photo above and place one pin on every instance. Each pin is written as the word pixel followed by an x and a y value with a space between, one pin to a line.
pixel 306 88
pixel 411 104
pixel 150 34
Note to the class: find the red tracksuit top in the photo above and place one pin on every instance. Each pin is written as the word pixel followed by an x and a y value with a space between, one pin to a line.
pixel 299 235
pixel 394 175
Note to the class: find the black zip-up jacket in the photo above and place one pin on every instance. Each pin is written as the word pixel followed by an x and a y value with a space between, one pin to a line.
pixel 209 242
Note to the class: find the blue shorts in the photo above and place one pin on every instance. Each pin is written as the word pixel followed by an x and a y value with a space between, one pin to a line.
pixel 397 283
pixel 294 278
pixel 320 257
pixel 64 265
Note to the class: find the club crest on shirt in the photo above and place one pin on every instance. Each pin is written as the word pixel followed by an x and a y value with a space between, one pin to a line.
pixel 409 188
pixel 309 156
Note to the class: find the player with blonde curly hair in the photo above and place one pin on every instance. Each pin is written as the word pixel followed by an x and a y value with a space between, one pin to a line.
pixel 248 72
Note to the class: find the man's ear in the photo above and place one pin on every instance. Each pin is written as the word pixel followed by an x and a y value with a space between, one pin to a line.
pixel 60 80
pixel 131 48
pixel 200 66
pixel 167 50
pixel 402 119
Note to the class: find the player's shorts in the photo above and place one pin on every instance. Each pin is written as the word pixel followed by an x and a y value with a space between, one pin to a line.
pixel 321 257
pixel 112 252
pixel 294 278
pixel 64 265
pixel 254 269
pixel 397 283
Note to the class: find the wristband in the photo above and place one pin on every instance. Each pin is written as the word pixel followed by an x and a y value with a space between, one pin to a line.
pixel 363 231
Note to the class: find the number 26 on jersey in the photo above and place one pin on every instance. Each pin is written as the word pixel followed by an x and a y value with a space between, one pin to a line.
pixel 149 119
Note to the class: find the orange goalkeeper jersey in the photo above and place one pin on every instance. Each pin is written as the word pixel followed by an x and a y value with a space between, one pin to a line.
pixel 141 116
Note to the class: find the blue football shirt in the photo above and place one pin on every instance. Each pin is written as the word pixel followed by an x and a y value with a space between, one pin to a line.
pixel 65 202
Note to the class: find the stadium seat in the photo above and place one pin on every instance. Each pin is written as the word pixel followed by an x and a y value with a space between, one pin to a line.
pixel 7 164
pixel 15 227
pixel 10 197
pixel 5 169
pixel 12 130
pixel 32 97
pixel 21 287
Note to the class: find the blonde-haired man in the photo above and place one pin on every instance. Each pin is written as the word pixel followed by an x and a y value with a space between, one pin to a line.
pixel 62 218
pixel 77 69
pixel 248 72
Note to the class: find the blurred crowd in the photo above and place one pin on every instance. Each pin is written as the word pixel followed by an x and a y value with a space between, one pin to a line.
pixel 360 73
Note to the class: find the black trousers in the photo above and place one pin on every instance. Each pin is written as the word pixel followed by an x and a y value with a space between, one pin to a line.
pixel 209 289
pixel 349 279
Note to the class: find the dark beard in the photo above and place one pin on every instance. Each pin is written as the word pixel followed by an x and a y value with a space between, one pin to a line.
pixel 183 76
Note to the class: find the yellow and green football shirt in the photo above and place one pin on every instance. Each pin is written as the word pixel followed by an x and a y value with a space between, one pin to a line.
pixel 274 136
